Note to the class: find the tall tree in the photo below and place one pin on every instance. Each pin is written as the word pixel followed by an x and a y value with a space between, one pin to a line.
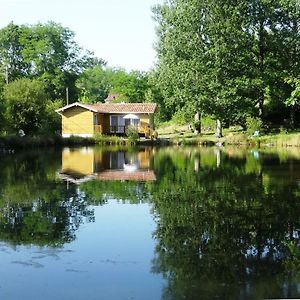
pixel 12 64
pixel 46 51
pixel 93 84
pixel 288 53
pixel 227 58
pixel 131 86
pixel 180 49
pixel 25 102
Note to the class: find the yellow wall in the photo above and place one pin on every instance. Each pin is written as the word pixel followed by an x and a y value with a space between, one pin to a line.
pixel 79 161
pixel 144 119
pixel 77 121
pixel 145 124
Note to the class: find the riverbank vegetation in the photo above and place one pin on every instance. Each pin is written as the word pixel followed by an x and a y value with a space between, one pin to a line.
pixel 236 64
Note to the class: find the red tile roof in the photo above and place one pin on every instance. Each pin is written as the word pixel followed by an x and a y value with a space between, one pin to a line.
pixel 120 108
pixel 125 107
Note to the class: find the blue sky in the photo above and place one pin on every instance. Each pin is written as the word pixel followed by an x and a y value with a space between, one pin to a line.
pixel 120 31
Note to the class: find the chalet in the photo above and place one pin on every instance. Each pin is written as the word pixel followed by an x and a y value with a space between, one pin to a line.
pixel 85 120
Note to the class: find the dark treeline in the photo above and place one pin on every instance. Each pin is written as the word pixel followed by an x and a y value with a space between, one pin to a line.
pixel 230 60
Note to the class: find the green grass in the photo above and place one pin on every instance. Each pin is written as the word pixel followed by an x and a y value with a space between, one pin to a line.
pixel 182 135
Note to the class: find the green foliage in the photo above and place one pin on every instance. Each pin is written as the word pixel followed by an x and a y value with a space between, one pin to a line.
pixel 25 102
pixel 253 124
pixel 294 99
pixel 96 83
pixel 51 122
pixel 131 87
pixel 179 118
pixel 45 51
pixel 132 133
pixel 293 261
pixel 227 59
pixel 93 84
pixel 109 140
pixel 12 63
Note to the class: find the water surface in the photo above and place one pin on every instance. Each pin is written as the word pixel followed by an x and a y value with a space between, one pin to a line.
pixel 150 223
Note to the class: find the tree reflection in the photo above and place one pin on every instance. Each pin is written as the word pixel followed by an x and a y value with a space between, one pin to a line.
pixel 34 207
pixel 222 228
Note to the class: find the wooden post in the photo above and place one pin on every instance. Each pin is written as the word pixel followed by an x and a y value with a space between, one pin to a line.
pixel 67 95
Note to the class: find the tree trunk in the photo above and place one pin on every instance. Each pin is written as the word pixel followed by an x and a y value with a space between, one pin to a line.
pixel 261 107
pixel 261 61
pixel 197 120
pixel 218 129
pixel 292 116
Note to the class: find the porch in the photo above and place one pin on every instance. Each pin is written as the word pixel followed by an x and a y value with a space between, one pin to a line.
pixel 121 129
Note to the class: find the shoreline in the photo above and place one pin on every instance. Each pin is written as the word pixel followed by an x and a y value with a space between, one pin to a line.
pixel 274 141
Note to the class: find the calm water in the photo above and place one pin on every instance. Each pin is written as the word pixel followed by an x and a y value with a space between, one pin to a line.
pixel 150 223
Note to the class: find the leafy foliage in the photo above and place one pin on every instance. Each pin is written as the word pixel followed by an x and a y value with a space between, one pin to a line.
pixel 132 133
pixel 227 59
pixel 93 85
pixel 25 102
pixel 253 124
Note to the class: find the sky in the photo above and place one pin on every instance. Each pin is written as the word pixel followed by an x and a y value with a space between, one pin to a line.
pixel 122 32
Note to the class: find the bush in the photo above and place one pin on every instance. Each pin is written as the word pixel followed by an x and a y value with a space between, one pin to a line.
pixel 253 124
pixel 178 118
pixel 132 133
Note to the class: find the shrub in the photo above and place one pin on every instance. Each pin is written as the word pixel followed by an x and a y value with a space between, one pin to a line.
pixel 132 133
pixel 253 124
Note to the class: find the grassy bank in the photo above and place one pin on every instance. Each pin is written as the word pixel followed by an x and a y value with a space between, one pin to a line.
pixel 238 139
pixel 182 138
pixel 27 142
pixel 182 135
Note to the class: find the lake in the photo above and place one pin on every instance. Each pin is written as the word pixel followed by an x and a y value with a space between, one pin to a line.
pixel 150 223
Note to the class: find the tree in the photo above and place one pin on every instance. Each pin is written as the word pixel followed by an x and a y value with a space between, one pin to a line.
pixel 12 64
pixel 53 55
pixel 288 54
pixel 294 100
pixel 25 102
pixel 46 51
pixel 197 66
pixel 227 59
pixel 131 86
pixel 93 85
pixel 180 51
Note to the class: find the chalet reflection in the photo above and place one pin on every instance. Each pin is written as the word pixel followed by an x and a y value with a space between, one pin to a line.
pixel 83 164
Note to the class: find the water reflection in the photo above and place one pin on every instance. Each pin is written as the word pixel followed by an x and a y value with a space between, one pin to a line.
pixel 223 225
pixel 84 164
pixel 227 220
pixel 34 207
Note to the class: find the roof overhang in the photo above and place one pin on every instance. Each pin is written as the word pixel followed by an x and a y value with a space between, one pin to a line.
pixel 76 104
